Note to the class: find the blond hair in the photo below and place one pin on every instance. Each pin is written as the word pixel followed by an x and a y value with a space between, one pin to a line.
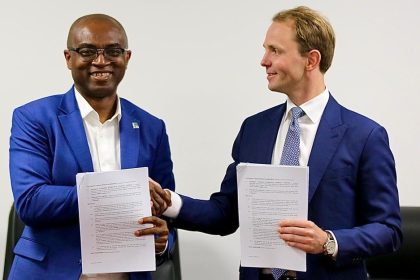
pixel 313 32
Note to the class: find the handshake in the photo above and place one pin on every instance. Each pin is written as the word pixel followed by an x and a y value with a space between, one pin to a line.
pixel 160 199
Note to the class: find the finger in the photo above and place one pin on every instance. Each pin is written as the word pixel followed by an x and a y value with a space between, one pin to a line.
pixel 160 244
pixel 153 208
pixel 151 231
pixel 296 231
pixel 168 198
pixel 152 220
pixel 161 239
pixel 156 191
pixel 303 247
pixel 296 238
pixel 161 195
pixel 294 223
pixel 156 199
pixel 156 205
pixel 160 227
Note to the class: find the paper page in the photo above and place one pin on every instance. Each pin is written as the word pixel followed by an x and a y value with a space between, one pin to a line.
pixel 268 194
pixel 110 204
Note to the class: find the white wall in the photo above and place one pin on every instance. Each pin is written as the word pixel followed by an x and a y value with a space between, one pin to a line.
pixel 196 65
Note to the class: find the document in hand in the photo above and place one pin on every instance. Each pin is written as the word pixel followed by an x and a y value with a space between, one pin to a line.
pixel 268 194
pixel 110 205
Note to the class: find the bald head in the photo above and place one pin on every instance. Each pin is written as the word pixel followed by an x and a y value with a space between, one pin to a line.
pixel 83 21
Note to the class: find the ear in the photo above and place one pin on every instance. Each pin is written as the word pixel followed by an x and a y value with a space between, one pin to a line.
pixel 67 56
pixel 313 60
pixel 127 57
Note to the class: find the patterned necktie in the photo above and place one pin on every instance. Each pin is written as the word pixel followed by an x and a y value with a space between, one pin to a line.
pixel 290 156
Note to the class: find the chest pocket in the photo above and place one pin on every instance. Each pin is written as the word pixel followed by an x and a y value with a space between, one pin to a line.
pixel 30 249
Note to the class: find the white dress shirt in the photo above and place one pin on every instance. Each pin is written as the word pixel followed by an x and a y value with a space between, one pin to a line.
pixel 103 138
pixel 104 145
pixel 308 125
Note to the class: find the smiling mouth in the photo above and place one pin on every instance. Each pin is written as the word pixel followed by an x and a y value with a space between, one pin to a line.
pixel 101 76
pixel 270 75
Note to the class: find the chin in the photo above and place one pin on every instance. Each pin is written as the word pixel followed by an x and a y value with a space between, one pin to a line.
pixel 102 91
pixel 274 88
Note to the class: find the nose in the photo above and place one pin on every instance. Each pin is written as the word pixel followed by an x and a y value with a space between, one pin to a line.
pixel 265 62
pixel 100 58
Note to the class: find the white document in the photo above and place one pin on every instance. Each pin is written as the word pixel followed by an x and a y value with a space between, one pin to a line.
pixel 110 205
pixel 268 194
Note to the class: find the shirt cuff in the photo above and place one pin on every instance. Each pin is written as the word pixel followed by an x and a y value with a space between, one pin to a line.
pixel 173 210
pixel 163 252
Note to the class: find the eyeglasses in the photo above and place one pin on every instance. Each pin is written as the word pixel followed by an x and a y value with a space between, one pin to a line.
pixel 90 54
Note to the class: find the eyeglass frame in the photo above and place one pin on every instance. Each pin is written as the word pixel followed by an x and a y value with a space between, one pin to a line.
pixel 98 51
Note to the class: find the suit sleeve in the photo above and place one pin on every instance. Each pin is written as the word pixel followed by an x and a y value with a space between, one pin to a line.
pixel 161 170
pixel 37 200
pixel 379 231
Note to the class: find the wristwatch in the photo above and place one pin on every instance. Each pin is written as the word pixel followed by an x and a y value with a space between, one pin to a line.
pixel 329 245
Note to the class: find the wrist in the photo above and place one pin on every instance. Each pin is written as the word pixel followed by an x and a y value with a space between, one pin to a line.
pixel 329 247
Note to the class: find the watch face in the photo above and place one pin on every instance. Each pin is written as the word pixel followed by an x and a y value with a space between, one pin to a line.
pixel 330 247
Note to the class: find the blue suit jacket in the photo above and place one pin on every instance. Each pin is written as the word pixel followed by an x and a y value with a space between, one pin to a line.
pixel 48 147
pixel 352 189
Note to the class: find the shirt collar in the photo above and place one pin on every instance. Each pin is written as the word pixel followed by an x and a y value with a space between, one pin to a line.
pixel 313 108
pixel 87 110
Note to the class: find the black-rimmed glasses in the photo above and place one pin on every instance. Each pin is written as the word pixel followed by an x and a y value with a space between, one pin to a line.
pixel 89 54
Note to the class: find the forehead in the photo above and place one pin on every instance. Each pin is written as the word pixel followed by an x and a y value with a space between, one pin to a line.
pixel 281 32
pixel 98 33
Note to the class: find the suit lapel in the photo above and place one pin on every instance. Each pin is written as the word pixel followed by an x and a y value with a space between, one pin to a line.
pixel 328 136
pixel 72 125
pixel 268 135
pixel 129 137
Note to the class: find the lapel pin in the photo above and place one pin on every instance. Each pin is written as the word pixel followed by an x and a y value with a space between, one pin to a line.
pixel 135 124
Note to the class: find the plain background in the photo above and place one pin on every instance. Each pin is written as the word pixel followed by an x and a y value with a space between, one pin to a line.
pixel 195 64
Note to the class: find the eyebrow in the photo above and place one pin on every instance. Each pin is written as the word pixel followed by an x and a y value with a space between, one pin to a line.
pixel 87 45
pixel 271 46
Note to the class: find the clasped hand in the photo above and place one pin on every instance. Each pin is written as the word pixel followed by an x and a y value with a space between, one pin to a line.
pixel 160 198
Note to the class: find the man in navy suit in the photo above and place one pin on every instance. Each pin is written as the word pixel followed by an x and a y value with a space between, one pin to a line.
pixel 353 210
pixel 89 128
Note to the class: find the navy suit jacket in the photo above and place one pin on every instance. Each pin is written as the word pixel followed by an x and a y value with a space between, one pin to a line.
pixel 48 147
pixel 352 189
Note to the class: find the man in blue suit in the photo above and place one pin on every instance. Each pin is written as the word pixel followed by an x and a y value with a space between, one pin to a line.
pixel 353 210
pixel 89 128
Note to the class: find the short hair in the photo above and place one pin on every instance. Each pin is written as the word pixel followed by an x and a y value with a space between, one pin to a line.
pixel 313 32
pixel 95 17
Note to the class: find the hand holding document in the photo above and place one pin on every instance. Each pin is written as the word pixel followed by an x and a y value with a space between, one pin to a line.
pixel 110 205
pixel 268 194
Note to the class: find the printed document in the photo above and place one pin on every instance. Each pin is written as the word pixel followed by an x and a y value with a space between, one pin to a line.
pixel 268 194
pixel 110 205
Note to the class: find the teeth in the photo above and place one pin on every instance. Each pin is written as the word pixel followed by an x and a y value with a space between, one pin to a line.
pixel 99 74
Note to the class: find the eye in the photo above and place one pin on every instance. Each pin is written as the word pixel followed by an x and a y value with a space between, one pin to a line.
pixel 114 52
pixel 87 52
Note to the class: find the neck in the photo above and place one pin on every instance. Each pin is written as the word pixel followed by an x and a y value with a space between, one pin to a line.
pixel 308 91
pixel 105 106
